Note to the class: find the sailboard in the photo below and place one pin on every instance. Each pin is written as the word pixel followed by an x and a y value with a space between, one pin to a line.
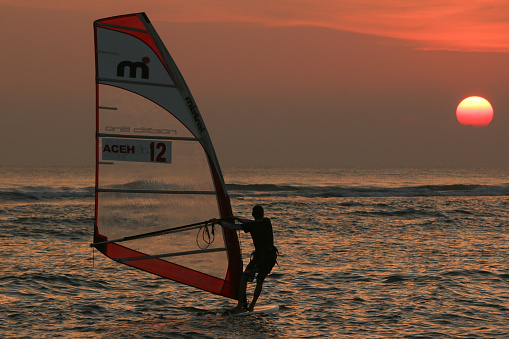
pixel 158 179
pixel 263 309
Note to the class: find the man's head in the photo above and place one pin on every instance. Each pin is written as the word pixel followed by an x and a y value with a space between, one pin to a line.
pixel 258 212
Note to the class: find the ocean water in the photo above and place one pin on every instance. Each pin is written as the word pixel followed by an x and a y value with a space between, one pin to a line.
pixel 365 253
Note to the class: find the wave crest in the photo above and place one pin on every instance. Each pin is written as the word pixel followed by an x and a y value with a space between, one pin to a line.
pixel 31 193
pixel 365 191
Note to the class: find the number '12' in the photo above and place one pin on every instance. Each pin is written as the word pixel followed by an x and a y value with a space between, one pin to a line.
pixel 161 147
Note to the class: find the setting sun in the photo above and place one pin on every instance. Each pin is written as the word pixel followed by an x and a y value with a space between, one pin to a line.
pixel 474 111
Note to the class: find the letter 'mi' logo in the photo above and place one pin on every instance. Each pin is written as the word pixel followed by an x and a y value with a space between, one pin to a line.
pixel 132 68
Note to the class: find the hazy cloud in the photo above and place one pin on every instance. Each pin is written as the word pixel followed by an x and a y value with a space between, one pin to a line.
pixel 476 25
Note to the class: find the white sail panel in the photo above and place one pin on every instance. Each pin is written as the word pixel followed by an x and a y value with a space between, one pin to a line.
pixel 146 196
pixel 131 64
pixel 127 114
pixel 121 112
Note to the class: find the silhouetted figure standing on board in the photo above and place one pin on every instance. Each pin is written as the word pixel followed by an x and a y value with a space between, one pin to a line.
pixel 263 258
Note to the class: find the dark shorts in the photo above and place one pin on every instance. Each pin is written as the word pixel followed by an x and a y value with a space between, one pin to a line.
pixel 261 264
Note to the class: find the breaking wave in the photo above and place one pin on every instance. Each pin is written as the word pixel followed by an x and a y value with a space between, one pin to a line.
pixel 34 193
pixel 361 191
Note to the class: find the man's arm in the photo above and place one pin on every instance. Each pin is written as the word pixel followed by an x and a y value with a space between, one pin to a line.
pixel 230 226
pixel 227 224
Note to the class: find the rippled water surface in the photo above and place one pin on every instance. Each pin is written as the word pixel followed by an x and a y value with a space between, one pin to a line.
pixel 387 253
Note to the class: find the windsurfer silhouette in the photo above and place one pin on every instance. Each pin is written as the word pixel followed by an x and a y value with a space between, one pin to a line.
pixel 262 260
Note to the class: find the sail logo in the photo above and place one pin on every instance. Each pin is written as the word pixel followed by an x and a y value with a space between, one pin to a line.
pixel 133 68
pixel 196 114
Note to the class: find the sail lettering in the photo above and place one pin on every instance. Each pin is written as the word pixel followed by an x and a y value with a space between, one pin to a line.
pixel 123 129
pixel 196 114
pixel 126 149
pixel 133 67
pixel 154 130
pixel 120 149
pixel 142 130
pixel 161 147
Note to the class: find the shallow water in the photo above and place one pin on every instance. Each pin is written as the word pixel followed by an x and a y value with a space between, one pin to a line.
pixel 380 253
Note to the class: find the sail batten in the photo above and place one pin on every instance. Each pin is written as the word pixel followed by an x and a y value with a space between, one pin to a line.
pixel 106 81
pixel 114 190
pixel 154 137
pixel 121 27
pixel 156 168
pixel 110 108
pixel 157 256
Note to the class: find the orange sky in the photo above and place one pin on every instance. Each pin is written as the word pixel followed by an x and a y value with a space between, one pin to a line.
pixel 298 83
pixel 474 25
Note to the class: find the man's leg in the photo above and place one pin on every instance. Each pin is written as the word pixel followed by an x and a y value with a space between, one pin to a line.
pixel 241 298
pixel 266 267
pixel 256 294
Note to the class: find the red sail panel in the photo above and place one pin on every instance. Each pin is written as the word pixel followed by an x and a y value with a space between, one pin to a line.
pixel 156 166
pixel 128 20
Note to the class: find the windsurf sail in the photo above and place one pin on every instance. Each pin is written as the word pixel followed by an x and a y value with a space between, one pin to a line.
pixel 157 176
